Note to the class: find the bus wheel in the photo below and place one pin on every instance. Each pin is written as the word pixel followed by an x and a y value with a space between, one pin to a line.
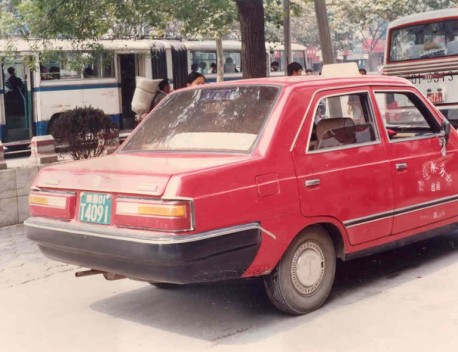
pixel 303 278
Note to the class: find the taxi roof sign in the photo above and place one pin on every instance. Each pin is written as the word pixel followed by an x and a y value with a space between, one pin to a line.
pixel 345 69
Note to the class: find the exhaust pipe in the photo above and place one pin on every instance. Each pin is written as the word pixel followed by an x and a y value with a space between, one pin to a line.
pixel 106 275
pixel 88 273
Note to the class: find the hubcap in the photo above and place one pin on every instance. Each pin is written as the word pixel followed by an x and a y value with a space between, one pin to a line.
pixel 307 269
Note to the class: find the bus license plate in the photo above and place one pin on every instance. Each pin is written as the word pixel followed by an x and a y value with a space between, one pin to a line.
pixel 95 208
pixel 435 97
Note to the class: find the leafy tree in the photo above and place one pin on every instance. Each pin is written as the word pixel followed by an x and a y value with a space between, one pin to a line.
pixel 212 19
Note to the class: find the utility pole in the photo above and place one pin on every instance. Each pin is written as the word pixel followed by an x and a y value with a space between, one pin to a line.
pixel 287 32
pixel 323 29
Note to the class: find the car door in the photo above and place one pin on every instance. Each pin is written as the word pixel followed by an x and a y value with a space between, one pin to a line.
pixel 425 179
pixel 342 168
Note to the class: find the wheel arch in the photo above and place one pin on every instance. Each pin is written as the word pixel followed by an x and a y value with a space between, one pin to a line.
pixel 336 237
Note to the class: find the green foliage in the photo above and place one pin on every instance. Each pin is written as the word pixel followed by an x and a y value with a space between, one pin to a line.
pixel 88 131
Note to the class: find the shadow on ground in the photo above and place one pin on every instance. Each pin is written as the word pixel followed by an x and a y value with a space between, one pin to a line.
pixel 218 311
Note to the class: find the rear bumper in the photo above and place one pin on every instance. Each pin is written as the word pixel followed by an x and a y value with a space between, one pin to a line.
pixel 149 256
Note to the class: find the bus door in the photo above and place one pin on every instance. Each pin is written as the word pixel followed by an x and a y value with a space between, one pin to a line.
pixel 128 72
pixel 17 102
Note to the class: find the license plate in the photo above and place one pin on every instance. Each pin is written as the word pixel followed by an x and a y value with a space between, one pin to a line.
pixel 435 97
pixel 95 208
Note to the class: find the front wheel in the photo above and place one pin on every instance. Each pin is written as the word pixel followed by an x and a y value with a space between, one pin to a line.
pixel 303 278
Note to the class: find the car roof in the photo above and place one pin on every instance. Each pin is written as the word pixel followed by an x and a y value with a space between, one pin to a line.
pixel 319 82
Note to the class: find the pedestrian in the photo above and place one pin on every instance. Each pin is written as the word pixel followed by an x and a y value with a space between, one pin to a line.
pixel 212 68
pixel 229 65
pixel 162 90
pixel 308 72
pixel 195 79
pixel 294 69
pixel 13 83
pixel 274 66
pixel 362 71
pixel 202 66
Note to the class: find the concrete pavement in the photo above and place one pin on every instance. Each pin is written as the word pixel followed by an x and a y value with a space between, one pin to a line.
pixel 21 261
pixel 402 300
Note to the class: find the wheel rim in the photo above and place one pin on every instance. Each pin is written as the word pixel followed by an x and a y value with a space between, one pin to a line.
pixel 308 267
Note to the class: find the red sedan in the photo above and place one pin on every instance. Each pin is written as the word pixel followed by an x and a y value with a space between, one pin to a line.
pixel 275 177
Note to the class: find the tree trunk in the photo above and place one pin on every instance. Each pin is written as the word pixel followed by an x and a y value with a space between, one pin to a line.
pixel 251 16
pixel 219 59
pixel 287 33
pixel 323 29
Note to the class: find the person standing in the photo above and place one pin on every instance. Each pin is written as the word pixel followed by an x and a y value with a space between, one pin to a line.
pixel 162 90
pixel 213 68
pixel 13 83
pixel 195 79
pixel 274 66
pixel 294 69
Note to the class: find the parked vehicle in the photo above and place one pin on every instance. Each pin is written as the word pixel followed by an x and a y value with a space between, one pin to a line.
pixel 274 178
pixel 423 48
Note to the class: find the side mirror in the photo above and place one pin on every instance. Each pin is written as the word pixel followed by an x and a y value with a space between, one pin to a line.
pixel 445 129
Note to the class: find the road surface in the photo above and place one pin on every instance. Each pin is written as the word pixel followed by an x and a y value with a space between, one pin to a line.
pixel 401 300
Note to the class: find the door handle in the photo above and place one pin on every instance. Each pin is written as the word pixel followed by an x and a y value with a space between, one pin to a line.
pixel 311 183
pixel 401 166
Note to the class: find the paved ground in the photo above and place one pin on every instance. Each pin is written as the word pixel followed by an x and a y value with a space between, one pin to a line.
pixel 403 300
pixel 20 260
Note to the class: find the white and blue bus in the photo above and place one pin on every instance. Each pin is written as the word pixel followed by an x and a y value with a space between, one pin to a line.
pixel 423 48
pixel 106 80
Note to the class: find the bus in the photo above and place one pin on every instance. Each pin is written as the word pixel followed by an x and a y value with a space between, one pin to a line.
pixel 423 48
pixel 106 80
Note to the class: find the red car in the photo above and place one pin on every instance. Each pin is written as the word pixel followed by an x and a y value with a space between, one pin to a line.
pixel 274 177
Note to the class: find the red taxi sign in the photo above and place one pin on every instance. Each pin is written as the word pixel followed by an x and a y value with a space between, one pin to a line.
pixel 437 97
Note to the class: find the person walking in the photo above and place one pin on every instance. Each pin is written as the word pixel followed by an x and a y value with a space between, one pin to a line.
pixel 294 69
pixel 195 79
pixel 13 83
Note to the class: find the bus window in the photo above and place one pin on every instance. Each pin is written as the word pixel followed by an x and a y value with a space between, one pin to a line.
pixel 277 56
pixel 428 40
pixel 202 60
pixel 299 56
pixel 66 66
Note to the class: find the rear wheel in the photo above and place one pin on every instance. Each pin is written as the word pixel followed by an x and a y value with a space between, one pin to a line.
pixel 303 278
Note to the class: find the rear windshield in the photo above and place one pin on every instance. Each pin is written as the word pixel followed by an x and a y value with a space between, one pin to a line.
pixel 225 119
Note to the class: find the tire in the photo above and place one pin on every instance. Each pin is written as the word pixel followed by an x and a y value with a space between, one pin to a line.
pixel 303 278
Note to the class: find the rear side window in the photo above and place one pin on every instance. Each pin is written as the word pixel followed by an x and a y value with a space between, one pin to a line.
pixel 405 115
pixel 342 121
pixel 223 119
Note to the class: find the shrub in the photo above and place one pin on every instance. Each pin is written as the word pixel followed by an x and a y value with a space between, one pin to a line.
pixel 88 131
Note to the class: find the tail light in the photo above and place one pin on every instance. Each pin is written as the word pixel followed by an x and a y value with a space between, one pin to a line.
pixel 158 215
pixel 59 205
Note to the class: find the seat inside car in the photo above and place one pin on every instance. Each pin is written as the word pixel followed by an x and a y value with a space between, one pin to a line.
pixel 331 124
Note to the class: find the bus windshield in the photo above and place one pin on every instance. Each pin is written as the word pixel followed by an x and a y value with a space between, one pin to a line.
pixel 223 119
pixel 422 41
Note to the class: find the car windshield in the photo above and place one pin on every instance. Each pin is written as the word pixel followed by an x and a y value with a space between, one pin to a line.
pixel 227 119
